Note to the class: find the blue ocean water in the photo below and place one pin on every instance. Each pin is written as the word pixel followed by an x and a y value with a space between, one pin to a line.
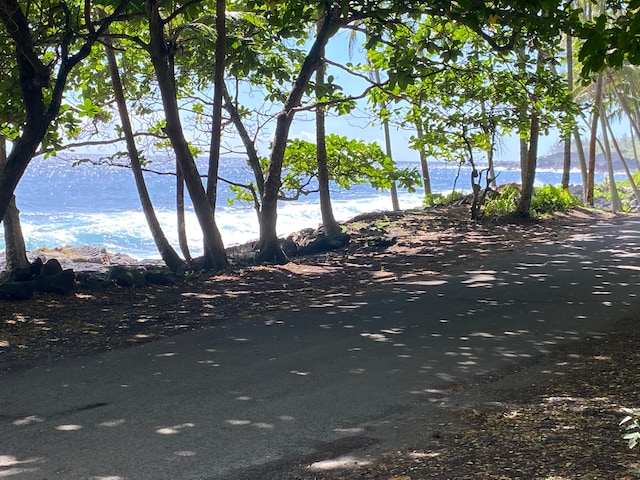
pixel 61 204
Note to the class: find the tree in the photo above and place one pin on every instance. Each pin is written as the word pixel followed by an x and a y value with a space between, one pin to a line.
pixel 168 254
pixel 162 49
pixel 329 223
pixel 15 249
pixel 41 89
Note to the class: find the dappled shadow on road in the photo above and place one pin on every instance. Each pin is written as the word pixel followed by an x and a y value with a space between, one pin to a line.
pixel 309 360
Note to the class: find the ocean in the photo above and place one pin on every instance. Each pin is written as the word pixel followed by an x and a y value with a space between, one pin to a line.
pixel 61 204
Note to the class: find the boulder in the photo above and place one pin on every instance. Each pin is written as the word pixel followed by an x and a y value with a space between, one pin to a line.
pixel 52 267
pixel 17 290
pixel 53 280
pixel 126 277
pixel 159 277
pixel 309 242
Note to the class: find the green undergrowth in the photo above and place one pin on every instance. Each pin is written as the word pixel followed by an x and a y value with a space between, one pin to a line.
pixel 437 199
pixel 545 201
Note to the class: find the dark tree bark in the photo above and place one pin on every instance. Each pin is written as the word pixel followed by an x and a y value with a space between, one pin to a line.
pixel 270 250
pixel 216 114
pixel 167 252
pixel 182 227
pixel 15 248
pixel 566 165
pixel 253 159
pixel 529 174
pixel 592 142
pixel 160 52
pixel 524 205
pixel 424 165
pixel 329 223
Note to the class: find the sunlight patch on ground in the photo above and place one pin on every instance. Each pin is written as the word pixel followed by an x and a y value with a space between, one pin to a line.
pixel 175 429
pixel 112 423
pixel 345 462
pixel 186 453
pixel 68 428
pixel 27 421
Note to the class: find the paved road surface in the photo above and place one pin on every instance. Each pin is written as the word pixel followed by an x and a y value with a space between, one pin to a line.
pixel 238 397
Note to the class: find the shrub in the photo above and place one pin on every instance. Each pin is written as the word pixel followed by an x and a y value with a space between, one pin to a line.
pixel 546 200
pixel 435 199
pixel 550 198
pixel 502 202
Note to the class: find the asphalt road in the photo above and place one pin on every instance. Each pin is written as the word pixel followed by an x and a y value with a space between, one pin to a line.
pixel 241 397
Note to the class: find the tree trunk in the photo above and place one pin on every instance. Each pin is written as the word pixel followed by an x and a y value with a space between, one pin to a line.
pixel 582 159
pixel 168 254
pixel 632 182
pixel 215 257
pixel 34 76
pixel 216 114
pixel 253 159
pixel 395 204
pixel 616 204
pixel 329 223
pixel 566 165
pixel 524 205
pixel 426 179
pixel 270 250
pixel 182 225
pixel 15 249
pixel 524 158
pixel 529 175
pixel 592 142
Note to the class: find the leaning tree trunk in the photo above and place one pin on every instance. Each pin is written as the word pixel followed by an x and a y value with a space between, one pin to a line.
pixel 270 249
pixel 616 204
pixel 593 141
pixel 424 165
pixel 566 164
pixel 215 257
pixel 524 205
pixel 218 94
pixel 168 254
pixel 15 248
pixel 582 159
pixel 182 224
pixel 632 181
pixel 329 222
pixel 253 159
pixel 395 203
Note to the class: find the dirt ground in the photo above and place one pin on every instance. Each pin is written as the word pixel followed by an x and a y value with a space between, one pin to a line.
pixel 564 428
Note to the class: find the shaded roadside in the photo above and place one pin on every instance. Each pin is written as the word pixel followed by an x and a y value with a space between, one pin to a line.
pixel 557 419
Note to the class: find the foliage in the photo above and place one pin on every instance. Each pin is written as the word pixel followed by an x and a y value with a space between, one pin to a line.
pixel 631 424
pixel 437 199
pixel 546 200
pixel 611 38
pixel 502 202
pixel 551 198
pixel 350 162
